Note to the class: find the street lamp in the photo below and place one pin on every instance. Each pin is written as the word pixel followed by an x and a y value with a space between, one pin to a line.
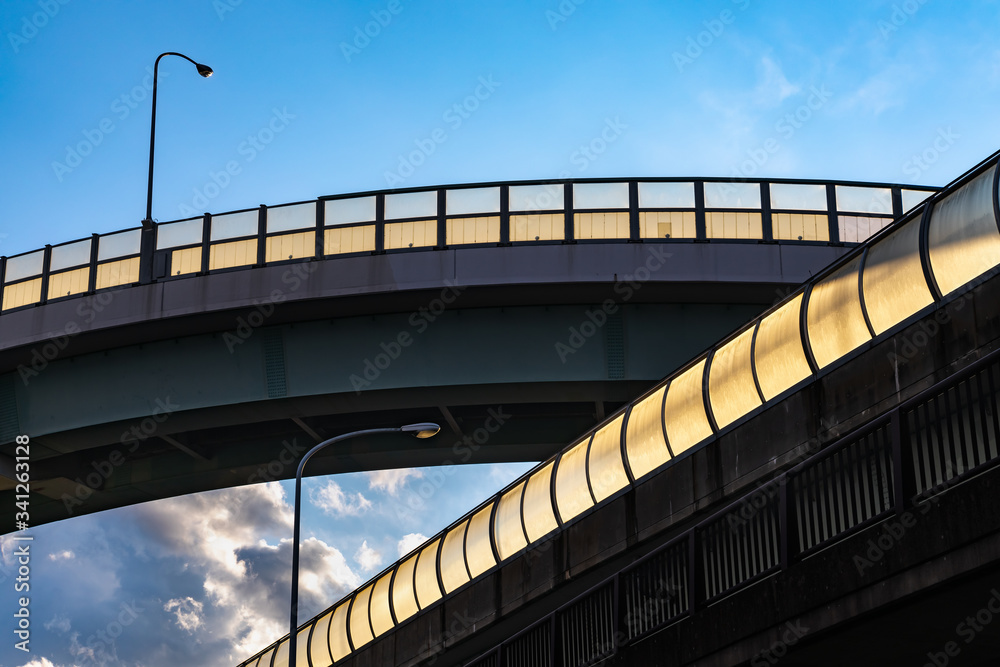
pixel 422 430
pixel 206 72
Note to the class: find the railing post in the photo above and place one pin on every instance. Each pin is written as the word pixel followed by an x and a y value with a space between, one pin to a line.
pixel 634 233
pixel 701 230
pixel 206 242
pixel 147 244
pixel 261 235
pixel 320 232
pixel 95 241
pixel 46 266
pixel 903 483
pixel 833 219
pixel 568 231
pixel 766 227
pixel 504 215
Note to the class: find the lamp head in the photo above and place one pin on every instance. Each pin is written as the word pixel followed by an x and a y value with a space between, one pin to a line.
pixel 423 430
pixel 204 70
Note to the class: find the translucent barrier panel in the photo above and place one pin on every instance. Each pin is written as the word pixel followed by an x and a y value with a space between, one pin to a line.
pixel 507 528
pixel 428 589
pixel 731 387
pixel 667 225
pixel 606 469
pixel 835 323
pixel 864 200
pixel 379 606
pixel 538 227
pixel 478 548
pixel 963 238
pixel 342 240
pixel 287 218
pixel 122 272
pixel 281 656
pixel 800 226
pixel 410 234
pixel 602 225
pixel 644 443
pixel 71 254
pixel 484 229
pixel 404 598
pixel 857 229
pixel 24 266
pixel 572 490
pixel 234 253
pixel 346 211
pixel 472 200
pixel 234 225
pixel 798 196
pixel 411 205
pixel 173 234
pixel 539 517
pixel 733 225
pixel 22 294
pixel 732 195
pixel 453 571
pixel 119 245
pixel 666 195
pixel 361 630
pixel 185 261
pixel 894 283
pixel 290 246
pixel 319 644
pixel 69 282
pixel 302 647
pixel 548 197
pixel 913 198
pixel 600 195
pixel 339 647
pixel 779 357
pixel 684 411
pixel 266 658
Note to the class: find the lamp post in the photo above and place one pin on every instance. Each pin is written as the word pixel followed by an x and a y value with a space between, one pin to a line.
pixel 206 72
pixel 422 430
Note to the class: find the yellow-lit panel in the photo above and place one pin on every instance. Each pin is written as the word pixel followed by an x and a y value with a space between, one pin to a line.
pixel 731 388
pixel 507 528
pixel 800 226
pixel 22 294
pixel 963 239
pixel 235 253
pixel 608 225
pixel 538 227
pixel 607 471
pixel 733 225
pixel 302 647
pixel 121 272
pixel 339 646
pixel 290 246
pixel 341 240
pixel 361 630
pixel 779 357
pixel 835 323
pixel 281 656
pixel 185 261
pixel 857 228
pixel 453 572
pixel 483 229
pixel 572 492
pixel 404 598
pixel 644 444
pixel 319 645
pixel 667 225
pixel 478 548
pixel 69 282
pixel 379 606
pixel 894 283
pixel 684 410
pixel 539 517
pixel 428 588
pixel 266 658
pixel 413 234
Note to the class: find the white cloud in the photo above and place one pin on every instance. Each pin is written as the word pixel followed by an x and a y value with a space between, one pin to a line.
pixel 40 662
pixel 410 542
pixel 60 623
pixel 187 611
pixel 62 555
pixel 390 481
pixel 773 87
pixel 367 558
pixel 332 500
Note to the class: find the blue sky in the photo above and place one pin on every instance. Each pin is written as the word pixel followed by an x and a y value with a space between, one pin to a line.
pixel 304 103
